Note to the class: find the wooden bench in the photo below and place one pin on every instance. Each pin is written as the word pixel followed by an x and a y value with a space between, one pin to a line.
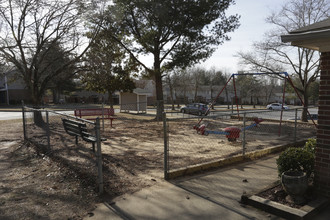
pixel 79 129
pixel 106 112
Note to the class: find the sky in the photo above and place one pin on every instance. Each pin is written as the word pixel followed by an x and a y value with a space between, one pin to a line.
pixel 253 26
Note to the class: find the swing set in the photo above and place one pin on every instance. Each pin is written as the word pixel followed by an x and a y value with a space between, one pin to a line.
pixel 232 133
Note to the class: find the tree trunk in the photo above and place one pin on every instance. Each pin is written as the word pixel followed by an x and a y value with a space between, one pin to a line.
pixel 185 99
pixel 213 102
pixel 269 95
pixel 58 94
pixel 228 102
pixel 196 92
pixel 177 100
pixel 171 93
pixel 54 96
pixel 110 99
pixel 211 93
pixel 159 87
pixel 37 116
pixel 304 112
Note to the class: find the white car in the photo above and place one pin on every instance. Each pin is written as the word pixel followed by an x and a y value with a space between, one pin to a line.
pixel 276 106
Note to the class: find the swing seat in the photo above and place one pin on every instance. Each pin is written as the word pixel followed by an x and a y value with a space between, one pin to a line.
pixel 233 133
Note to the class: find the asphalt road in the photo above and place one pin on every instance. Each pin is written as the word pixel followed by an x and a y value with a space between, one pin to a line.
pixel 290 114
pixel 10 115
pixel 266 114
pixel 250 112
pixel 18 115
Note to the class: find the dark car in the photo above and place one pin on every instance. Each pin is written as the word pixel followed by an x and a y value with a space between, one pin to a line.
pixel 312 116
pixel 195 108
pixel 309 117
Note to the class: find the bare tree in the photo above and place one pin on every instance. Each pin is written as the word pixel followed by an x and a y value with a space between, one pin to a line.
pixel 30 31
pixel 217 78
pixel 268 85
pixel 196 75
pixel 182 83
pixel 249 88
pixel 271 55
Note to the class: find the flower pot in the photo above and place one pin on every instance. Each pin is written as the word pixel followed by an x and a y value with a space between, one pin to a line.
pixel 295 183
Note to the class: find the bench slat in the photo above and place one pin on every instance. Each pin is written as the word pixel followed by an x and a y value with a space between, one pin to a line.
pixel 73 127
pixel 79 129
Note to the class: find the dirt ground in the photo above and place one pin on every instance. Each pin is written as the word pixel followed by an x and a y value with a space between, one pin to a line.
pixel 32 186
pixel 187 148
pixel 278 194
pixel 63 185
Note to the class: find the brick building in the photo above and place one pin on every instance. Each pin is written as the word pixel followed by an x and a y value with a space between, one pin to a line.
pixel 317 37
pixel 13 89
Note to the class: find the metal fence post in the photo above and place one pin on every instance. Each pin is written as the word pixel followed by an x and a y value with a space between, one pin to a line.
pixel 165 147
pixel 48 131
pixel 103 115
pixel 99 155
pixel 244 124
pixel 23 117
pixel 295 126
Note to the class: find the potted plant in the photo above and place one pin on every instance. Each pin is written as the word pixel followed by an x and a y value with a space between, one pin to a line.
pixel 295 167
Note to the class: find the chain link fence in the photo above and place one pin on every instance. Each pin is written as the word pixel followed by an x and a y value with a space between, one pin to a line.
pixel 133 147
pixel 193 141
pixel 45 129
pixel 138 144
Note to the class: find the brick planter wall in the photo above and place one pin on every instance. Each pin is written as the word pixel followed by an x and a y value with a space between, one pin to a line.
pixel 322 162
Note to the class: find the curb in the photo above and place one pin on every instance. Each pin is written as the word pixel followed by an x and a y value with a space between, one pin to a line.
pixel 228 161
pixel 306 212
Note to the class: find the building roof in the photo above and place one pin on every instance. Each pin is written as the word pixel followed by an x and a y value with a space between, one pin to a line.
pixel 140 91
pixel 318 26
pixel 315 36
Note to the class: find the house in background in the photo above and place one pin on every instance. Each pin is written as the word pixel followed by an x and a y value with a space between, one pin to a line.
pixel 206 94
pixel 317 37
pixel 85 96
pixel 203 94
pixel 12 89
pixel 4 95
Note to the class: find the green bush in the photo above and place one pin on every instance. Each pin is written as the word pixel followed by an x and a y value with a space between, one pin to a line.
pixel 310 145
pixel 299 159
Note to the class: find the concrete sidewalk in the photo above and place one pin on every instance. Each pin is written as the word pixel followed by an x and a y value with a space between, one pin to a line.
pixel 213 195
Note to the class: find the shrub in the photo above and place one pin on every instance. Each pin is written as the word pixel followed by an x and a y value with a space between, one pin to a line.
pixel 297 159
pixel 310 145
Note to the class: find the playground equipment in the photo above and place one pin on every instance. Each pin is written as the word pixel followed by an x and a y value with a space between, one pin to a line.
pixel 201 127
pixel 232 132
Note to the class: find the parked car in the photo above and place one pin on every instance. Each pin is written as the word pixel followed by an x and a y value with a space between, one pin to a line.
pixel 276 106
pixel 312 116
pixel 195 108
